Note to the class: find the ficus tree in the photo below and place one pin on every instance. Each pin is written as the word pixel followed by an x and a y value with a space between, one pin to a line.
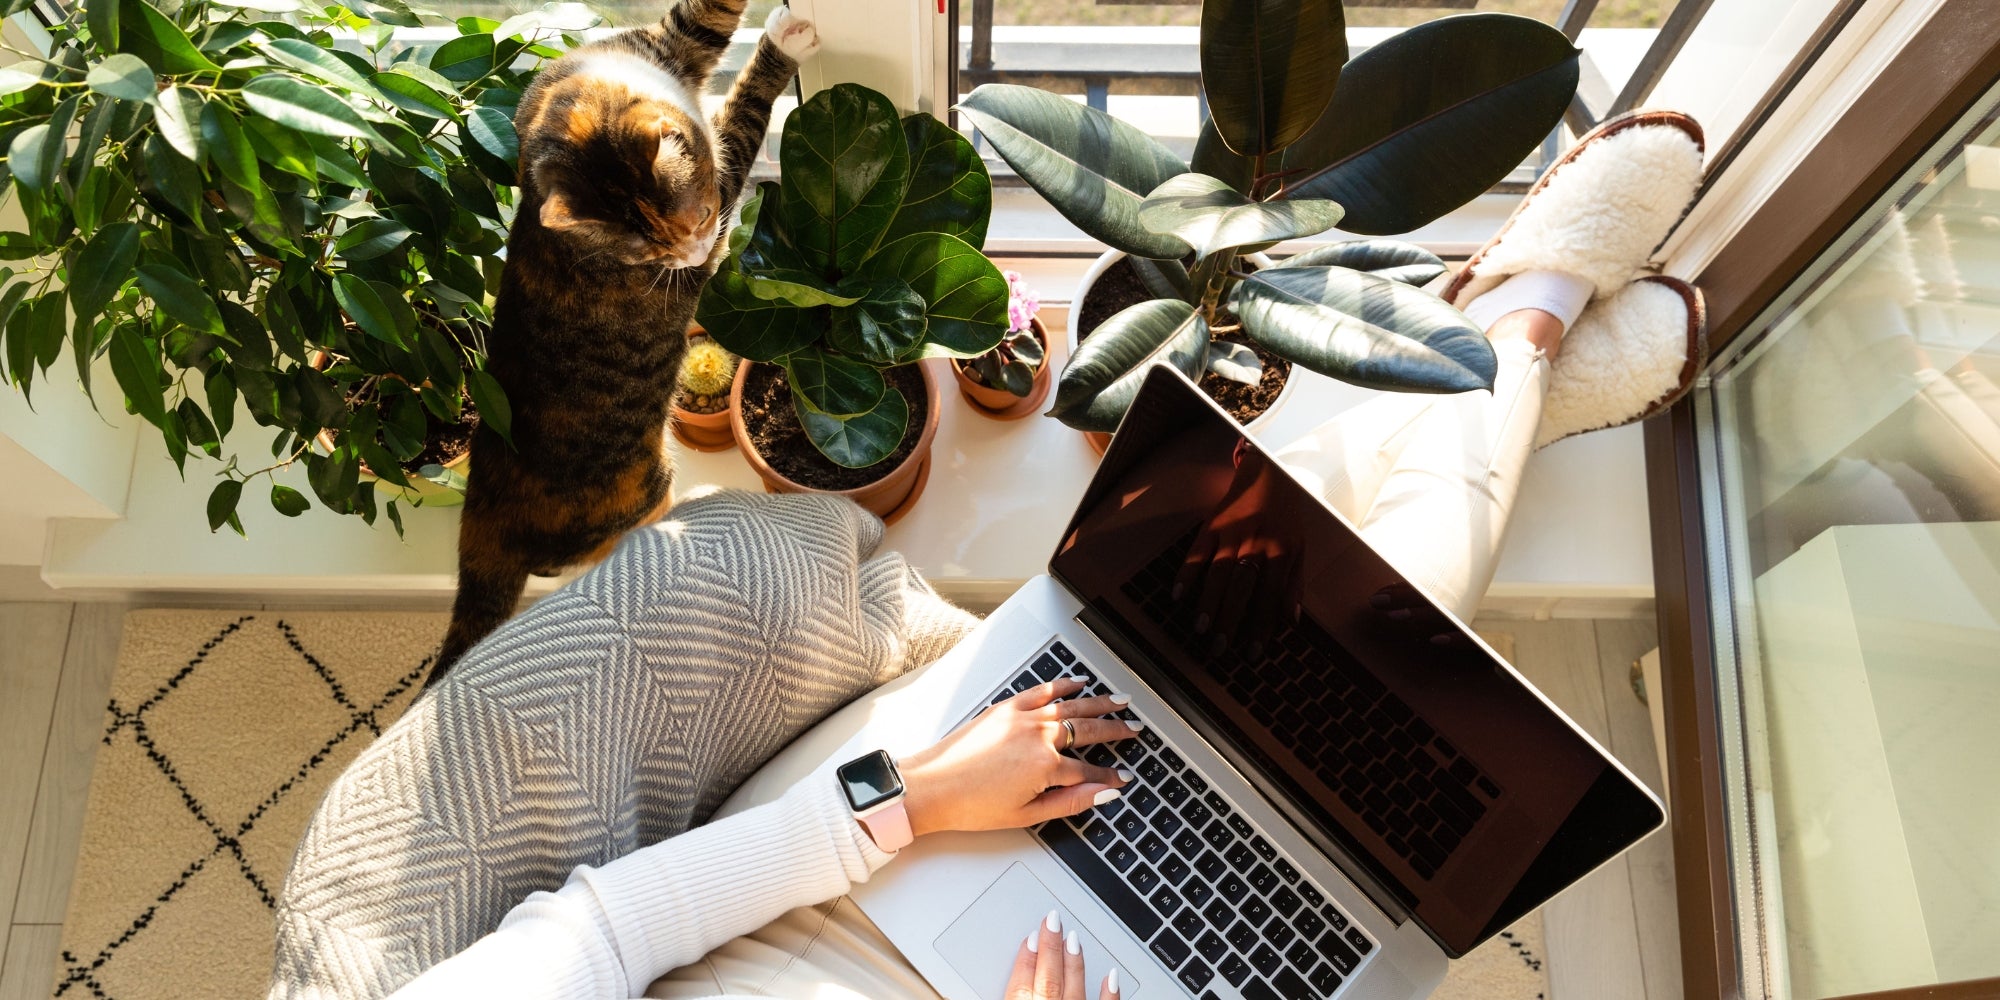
pixel 267 202
pixel 1300 139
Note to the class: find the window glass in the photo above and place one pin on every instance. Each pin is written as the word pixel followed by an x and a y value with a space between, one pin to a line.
pixel 1852 473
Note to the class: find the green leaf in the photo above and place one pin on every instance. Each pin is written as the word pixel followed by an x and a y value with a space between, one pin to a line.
pixel 394 12
pixel 465 58
pixel 288 501
pixel 334 477
pixel 1212 217
pixel 197 428
pixel 1164 279
pixel 1433 117
pixel 1104 375
pixel 314 61
pixel 405 91
pixel 9 301
pixel 751 327
pixel 1092 167
pixel 362 431
pixel 845 163
pixel 493 130
pixel 834 385
pixel 282 148
pixel 20 246
pixel 222 133
pixel 103 267
pixel 857 441
pixel 396 518
pixel 335 163
pixel 881 329
pixel 363 304
pixel 181 297
pixel 124 76
pixel 20 336
pixel 266 6
pixel 177 112
pixel 370 239
pixel 803 289
pixel 289 101
pixel 135 363
pixel 48 328
pixel 102 18
pixel 965 296
pixel 1214 157
pixel 948 192
pixel 222 503
pixel 36 154
pixel 1391 259
pixel 13 81
pixel 1268 67
pixel 152 36
pixel 219 387
pixel 1364 329
pixel 491 400
pixel 173 178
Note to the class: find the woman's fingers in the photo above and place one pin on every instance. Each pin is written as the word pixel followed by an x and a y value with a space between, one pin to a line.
pixel 1021 982
pixel 1067 800
pixel 1042 694
pixel 1049 959
pixel 1073 988
pixel 1109 991
pixel 1083 708
pixel 1075 772
pixel 1090 731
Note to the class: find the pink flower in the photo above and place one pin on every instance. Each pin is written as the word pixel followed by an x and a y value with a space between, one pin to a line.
pixel 1022 303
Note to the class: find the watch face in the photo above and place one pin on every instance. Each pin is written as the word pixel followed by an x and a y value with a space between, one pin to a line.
pixel 870 781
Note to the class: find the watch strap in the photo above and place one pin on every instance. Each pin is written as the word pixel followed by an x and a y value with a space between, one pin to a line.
pixel 889 826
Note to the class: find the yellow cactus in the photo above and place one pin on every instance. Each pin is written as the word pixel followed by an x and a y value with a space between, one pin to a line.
pixel 708 369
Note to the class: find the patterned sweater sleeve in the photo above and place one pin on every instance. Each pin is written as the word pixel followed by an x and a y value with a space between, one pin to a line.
pixel 610 931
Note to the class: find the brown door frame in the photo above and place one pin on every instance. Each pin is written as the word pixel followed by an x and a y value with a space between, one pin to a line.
pixel 1946 67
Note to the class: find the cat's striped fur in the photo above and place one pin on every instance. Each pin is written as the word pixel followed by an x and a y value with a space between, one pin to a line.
pixel 624 188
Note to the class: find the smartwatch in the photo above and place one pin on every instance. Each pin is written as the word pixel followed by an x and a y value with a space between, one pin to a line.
pixel 875 792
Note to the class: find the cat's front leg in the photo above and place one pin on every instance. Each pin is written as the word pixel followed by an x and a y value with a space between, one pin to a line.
pixel 740 125
pixel 794 35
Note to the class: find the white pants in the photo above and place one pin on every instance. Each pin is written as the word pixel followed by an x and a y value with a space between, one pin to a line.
pixel 1429 480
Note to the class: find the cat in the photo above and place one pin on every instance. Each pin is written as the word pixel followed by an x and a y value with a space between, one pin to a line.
pixel 623 192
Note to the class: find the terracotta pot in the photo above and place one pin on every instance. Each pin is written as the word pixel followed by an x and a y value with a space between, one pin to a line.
pixel 999 403
pixel 703 431
pixel 889 497
pixel 1098 440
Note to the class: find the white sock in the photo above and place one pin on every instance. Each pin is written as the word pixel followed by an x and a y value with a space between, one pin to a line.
pixel 1560 295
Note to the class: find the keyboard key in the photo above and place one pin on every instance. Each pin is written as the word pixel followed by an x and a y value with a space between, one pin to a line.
pixel 1143 879
pixel 1266 960
pixel 1174 792
pixel 1166 901
pixel 1152 847
pixel 1463 770
pixel 1197 892
pixel 1263 879
pixel 1131 751
pixel 1111 809
pixel 1023 681
pixel 1287 872
pixel 1324 979
pixel 1174 870
pixel 1279 933
pixel 1263 848
pixel 1003 695
pixel 1188 844
pixel 1486 785
pixel 1218 835
pixel 1196 782
pixel 1256 910
pixel 1359 940
pixel 1131 824
pixel 1241 857
pixel 1173 760
pixel 1334 949
pixel 1312 896
pixel 1196 975
pixel 1045 667
pixel 1308 923
pixel 1257 989
pixel 1151 738
pixel 1241 826
pixel 1152 770
pixel 1167 823
pixel 1189 923
pixel 1062 653
pixel 1121 855
pixel 1170 949
pixel 1215 802
pixel 1197 814
pixel 1144 800
pixel 1101 755
pixel 1212 947
pixel 1336 919
pixel 1286 902
pixel 1232 888
pixel 1235 970
pixel 1219 914
pixel 1210 866
pixel 1100 879
pixel 1301 955
pixel 1293 986
pixel 1243 936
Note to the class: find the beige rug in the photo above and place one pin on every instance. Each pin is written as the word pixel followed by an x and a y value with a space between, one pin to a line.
pixel 222 733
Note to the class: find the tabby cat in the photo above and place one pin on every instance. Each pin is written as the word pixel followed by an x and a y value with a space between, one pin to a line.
pixel 624 188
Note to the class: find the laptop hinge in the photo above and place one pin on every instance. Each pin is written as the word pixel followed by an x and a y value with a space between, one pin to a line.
pixel 1342 857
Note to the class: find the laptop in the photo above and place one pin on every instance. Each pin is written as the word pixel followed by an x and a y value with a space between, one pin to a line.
pixel 1331 803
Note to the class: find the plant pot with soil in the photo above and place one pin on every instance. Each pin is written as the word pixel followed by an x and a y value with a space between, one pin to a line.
pixel 701 402
pixel 842 277
pixel 422 435
pixel 1416 126
pixel 1011 380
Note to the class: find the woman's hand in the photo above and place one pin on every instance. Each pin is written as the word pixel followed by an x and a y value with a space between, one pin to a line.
pixel 1003 769
pixel 1049 966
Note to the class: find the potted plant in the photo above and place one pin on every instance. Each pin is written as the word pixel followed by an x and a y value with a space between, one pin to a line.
pixel 1301 139
pixel 859 262
pixel 1011 380
pixel 701 404
pixel 238 213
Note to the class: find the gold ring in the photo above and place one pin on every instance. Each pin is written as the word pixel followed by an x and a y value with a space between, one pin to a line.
pixel 1069 730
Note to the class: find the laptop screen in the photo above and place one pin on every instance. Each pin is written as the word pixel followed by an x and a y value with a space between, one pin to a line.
pixel 1341 688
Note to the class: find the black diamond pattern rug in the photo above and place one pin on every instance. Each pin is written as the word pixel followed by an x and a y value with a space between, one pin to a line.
pixel 222 733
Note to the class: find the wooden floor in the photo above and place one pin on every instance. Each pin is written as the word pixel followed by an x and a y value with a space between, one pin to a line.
pixel 1612 937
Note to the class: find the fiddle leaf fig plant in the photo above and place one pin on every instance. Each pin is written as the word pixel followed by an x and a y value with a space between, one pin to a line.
pixel 863 256
pixel 239 209
pixel 1301 139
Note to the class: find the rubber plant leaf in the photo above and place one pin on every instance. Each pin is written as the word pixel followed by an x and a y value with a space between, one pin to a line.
pixel 1391 259
pixel 1211 216
pixel 1092 167
pixel 846 164
pixel 1433 117
pixel 1213 157
pixel 834 385
pixel 965 295
pixel 1269 67
pixel 1364 329
pixel 859 441
pixel 1104 375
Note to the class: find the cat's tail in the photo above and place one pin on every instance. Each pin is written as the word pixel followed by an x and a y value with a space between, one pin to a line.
pixel 488 590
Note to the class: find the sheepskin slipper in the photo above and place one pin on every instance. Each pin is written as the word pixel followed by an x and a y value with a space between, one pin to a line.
pixel 1600 210
pixel 1631 355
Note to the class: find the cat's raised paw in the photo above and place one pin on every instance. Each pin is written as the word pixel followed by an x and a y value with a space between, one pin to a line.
pixel 795 36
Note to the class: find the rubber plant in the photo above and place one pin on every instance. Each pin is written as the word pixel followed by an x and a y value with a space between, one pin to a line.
pixel 863 256
pixel 271 202
pixel 1300 139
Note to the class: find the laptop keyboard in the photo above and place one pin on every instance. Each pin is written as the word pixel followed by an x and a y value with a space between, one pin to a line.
pixel 1406 781
pixel 1213 899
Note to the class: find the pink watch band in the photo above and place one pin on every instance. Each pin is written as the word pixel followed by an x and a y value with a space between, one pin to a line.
pixel 889 827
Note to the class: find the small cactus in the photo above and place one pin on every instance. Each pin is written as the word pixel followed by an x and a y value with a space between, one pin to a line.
pixel 708 369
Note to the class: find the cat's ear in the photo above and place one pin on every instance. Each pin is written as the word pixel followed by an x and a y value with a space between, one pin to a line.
pixel 558 213
pixel 671 147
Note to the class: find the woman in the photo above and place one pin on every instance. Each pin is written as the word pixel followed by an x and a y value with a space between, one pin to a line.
pixel 620 711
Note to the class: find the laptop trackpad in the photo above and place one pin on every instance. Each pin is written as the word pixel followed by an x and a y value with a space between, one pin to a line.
pixel 982 942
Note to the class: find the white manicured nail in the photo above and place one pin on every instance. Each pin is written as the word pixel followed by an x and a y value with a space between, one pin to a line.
pixel 1134 725
pixel 1121 699
pixel 1124 775
pixel 1105 796
pixel 1111 981
pixel 1054 923
pixel 1033 944
pixel 1071 944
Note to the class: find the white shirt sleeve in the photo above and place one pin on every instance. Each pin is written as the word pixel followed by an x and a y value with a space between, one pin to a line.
pixel 610 931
